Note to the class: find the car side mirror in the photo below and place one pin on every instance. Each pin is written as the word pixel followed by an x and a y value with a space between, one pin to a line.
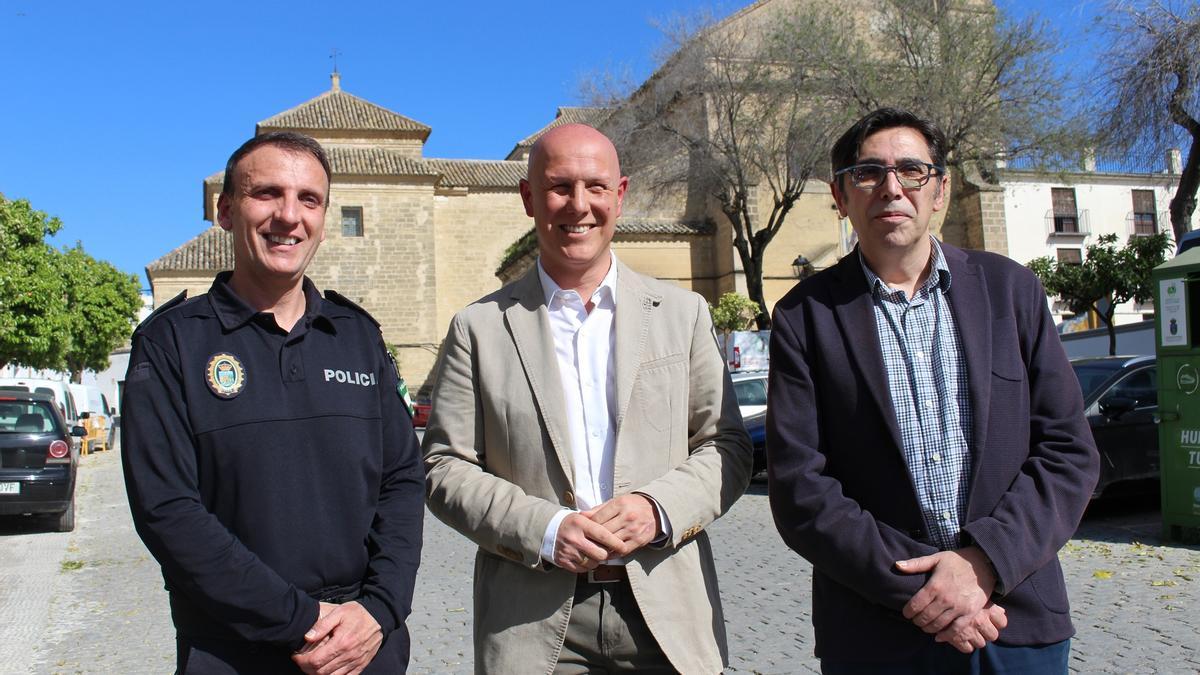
pixel 79 431
pixel 1114 407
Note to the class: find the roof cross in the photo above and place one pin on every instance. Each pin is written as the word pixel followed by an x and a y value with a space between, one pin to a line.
pixel 336 77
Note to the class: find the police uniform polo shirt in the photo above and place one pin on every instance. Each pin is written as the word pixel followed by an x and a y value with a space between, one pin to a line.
pixel 266 468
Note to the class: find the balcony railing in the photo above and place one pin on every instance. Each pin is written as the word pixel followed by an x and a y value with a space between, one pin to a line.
pixel 1067 225
pixel 1147 223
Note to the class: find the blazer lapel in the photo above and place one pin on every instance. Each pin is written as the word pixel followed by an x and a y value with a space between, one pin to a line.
pixel 855 309
pixel 634 304
pixel 972 316
pixel 529 324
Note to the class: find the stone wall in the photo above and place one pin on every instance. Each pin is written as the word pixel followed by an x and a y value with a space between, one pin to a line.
pixel 169 283
pixel 473 229
pixel 390 270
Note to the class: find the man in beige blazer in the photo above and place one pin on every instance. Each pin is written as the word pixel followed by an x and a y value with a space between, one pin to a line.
pixel 584 433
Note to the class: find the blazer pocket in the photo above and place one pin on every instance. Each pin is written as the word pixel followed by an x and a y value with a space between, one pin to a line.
pixel 655 385
pixel 661 361
pixel 654 401
pixel 1050 588
pixel 1007 362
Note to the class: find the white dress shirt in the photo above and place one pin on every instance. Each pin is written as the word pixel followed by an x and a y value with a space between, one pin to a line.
pixel 584 344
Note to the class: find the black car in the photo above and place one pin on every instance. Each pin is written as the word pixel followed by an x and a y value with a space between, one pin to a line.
pixel 1120 399
pixel 39 457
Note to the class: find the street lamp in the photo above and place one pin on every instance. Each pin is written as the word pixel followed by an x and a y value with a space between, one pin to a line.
pixel 802 268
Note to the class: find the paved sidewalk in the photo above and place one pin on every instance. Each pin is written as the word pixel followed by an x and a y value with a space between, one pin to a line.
pixel 107 612
pixel 92 601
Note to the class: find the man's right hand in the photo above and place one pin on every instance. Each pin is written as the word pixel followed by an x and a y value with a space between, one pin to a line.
pixel 582 544
pixel 968 634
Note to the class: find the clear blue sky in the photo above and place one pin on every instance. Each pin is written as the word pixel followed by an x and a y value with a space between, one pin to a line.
pixel 114 112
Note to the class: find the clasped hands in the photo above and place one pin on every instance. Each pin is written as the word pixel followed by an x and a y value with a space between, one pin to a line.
pixel 955 605
pixel 342 642
pixel 616 528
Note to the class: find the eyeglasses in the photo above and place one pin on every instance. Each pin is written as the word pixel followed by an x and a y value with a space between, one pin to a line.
pixel 908 174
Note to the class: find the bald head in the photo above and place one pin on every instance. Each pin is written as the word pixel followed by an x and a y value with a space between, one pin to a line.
pixel 572 138
pixel 574 193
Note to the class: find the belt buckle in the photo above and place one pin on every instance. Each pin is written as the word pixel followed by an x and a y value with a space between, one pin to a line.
pixel 591 577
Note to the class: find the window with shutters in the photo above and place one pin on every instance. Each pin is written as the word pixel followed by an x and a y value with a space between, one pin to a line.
pixel 1145 219
pixel 1066 215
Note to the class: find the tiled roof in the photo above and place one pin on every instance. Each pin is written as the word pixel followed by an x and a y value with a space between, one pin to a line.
pixel 211 250
pixel 481 173
pixel 375 162
pixel 633 226
pixel 337 110
pixel 527 243
pixel 478 173
pixel 565 115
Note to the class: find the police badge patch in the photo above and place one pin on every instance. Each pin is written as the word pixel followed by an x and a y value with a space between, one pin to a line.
pixel 225 375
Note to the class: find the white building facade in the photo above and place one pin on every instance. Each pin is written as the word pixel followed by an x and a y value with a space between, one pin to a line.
pixel 1061 214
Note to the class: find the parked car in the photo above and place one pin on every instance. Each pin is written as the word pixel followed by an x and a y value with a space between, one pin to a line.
pixel 94 415
pixel 38 459
pixel 1120 399
pixel 1189 240
pixel 421 414
pixel 59 389
pixel 750 388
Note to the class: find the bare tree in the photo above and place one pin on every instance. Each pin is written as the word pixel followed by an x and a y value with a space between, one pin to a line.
pixel 751 105
pixel 725 120
pixel 987 80
pixel 1150 92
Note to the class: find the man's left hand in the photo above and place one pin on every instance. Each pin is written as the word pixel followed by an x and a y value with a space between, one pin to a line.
pixel 960 585
pixel 342 641
pixel 632 518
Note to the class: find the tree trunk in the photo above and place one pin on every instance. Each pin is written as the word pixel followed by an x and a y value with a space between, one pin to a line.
pixel 1107 318
pixel 1183 204
pixel 754 288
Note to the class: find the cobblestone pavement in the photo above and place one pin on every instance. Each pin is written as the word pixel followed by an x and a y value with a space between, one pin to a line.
pixel 92 601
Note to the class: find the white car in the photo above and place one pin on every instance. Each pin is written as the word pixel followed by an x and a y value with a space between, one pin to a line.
pixel 59 389
pixel 750 387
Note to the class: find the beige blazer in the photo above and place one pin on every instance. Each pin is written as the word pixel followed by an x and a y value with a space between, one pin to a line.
pixel 498 465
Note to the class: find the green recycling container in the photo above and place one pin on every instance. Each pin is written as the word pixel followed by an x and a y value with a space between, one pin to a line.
pixel 1177 346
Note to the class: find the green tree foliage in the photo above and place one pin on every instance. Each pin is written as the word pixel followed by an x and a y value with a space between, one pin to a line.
pixel 733 311
pixel 33 319
pixel 1108 276
pixel 58 310
pixel 1149 90
pixel 102 303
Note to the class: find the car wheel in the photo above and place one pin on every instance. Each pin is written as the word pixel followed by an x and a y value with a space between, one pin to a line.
pixel 65 521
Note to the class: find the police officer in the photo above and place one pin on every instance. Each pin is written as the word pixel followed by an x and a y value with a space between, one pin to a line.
pixel 270 461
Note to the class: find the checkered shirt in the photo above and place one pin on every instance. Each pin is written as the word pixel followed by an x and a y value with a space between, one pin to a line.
pixel 927 378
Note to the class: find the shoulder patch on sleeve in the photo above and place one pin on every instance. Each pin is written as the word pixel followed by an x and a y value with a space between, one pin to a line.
pixel 402 387
pixel 339 299
pixel 177 300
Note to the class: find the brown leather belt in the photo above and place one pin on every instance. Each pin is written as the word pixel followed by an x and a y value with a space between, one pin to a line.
pixel 604 574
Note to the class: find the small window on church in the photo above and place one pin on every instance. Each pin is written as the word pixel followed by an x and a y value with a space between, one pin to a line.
pixel 352 221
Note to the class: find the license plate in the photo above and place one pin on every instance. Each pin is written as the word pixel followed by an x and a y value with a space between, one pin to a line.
pixel 10 488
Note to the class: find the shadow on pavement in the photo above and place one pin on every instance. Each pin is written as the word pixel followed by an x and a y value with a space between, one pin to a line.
pixel 1132 514
pixel 25 525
